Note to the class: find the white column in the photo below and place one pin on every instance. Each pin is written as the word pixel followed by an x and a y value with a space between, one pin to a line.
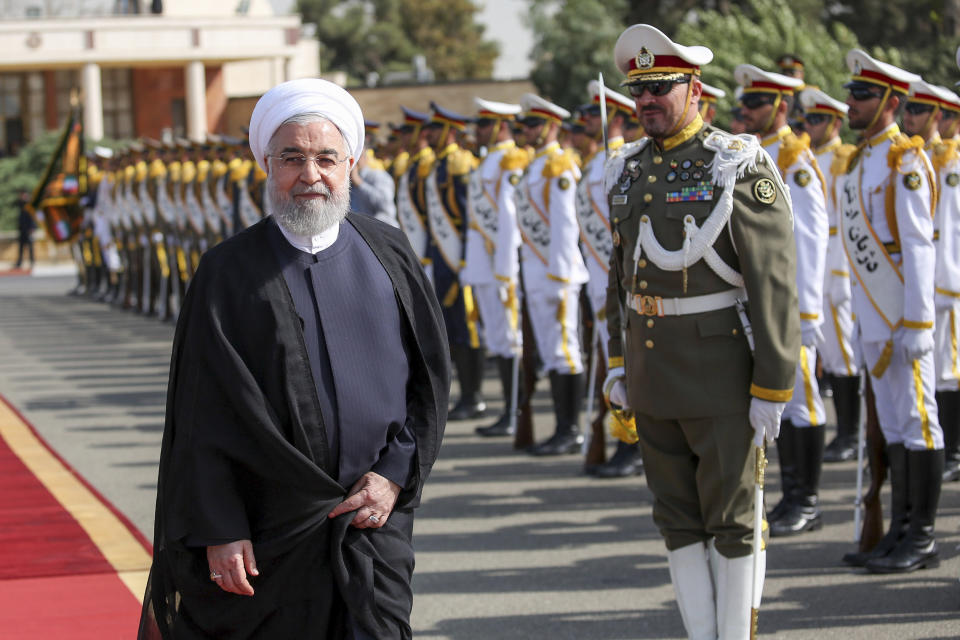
pixel 196 84
pixel 288 67
pixel 92 102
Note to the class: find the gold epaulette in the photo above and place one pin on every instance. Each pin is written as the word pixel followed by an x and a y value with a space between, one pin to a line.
pixel 129 172
pixel 259 175
pixel 514 159
pixel 944 153
pixel 461 162
pixel 203 168
pixel 188 171
pixel 157 168
pixel 400 164
pixel 219 168
pixel 425 159
pixel 841 158
pixel 239 169
pixel 373 161
pixel 557 163
pixel 173 170
pixel 141 170
pixel 900 146
pixel 790 149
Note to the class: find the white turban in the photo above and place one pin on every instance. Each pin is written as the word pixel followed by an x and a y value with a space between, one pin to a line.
pixel 309 95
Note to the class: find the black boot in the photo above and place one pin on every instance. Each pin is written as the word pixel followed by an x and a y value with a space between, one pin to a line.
pixel 567 391
pixel 918 549
pixel 786 452
pixel 899 509
pixel 469 364
pixel 625 462
pixel 948 409
pixel 803 514
pixel 846 400
pixel 502 426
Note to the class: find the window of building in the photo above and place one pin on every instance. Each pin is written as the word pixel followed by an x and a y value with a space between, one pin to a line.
pixel 12 91
pixel 117 88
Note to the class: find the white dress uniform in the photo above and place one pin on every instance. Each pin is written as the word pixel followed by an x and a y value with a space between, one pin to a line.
pixel 811 231
pixel 905 391
pixel 946 224
pixel 490 294
pixel 839 351
pixel 551 262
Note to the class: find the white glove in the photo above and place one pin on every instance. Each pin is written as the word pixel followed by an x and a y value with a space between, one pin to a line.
pixel 614 389
pixel 915 343
pixel 765 420
pixel 810 334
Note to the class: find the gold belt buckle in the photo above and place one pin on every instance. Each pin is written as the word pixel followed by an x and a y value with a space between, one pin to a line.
pixel 648 305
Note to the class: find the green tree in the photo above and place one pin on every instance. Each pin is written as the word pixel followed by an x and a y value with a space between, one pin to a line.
pixel 572 43
pixel 364 36
pixel 758 33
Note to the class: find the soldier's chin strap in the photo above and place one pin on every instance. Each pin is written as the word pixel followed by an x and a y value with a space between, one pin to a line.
pixel 954 126
pixel 442 141
pixel 883 103
pixel 494 132
pixel 773 113
pixel 683 116
pixel 928 130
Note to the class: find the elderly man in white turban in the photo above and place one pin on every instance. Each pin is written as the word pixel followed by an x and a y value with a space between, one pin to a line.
pixel 306 403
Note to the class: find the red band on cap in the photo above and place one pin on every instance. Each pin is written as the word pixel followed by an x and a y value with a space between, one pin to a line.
pixel 665 62
pixel 772 86
pixel 883 78
pixel 543 113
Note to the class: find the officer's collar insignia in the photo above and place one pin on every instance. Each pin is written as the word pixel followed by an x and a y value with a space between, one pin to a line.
pixel 644 59
pixel 734 145
pixel 912 181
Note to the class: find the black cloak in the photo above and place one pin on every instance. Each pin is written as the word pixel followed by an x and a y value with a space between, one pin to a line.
pixel 235 463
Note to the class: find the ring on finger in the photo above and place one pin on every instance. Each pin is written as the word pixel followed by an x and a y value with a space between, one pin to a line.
pixel 215 576
pixel 374 519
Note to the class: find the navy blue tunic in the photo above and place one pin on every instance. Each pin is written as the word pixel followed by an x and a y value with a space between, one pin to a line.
pixel 354 337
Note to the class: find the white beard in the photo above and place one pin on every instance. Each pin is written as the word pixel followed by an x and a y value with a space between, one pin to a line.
pixel 310 217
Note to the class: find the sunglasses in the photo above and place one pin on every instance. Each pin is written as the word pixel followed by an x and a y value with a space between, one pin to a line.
pixel 816 118
pixel 862 94
pixel 916 108
pixel 657 88
pixel 756 100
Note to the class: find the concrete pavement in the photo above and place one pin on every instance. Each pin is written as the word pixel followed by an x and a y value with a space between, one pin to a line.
pixel 507 546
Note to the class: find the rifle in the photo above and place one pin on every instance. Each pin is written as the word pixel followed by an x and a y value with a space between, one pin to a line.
pixel 872 529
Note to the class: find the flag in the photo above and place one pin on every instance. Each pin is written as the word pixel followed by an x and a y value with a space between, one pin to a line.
pixel 56 198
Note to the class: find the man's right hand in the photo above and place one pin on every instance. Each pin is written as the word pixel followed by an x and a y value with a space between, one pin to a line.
pixel 614 389
pixel 232 562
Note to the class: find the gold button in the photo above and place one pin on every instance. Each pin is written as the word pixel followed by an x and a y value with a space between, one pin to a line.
pixel 735 332
pixel 616 219
pixel 650 323
pixel 649 344
pixel 657 159
pixel 647 197
pixel 642 263
pixel 643 284
pixel 651 179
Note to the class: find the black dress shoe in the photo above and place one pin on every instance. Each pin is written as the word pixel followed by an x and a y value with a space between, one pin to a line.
pixel 558 444
pixel 840 450
pixel 911 554
pixel 797 519
pixel 624 463
pixel 467 410
pixel 499 428
pixel 951 471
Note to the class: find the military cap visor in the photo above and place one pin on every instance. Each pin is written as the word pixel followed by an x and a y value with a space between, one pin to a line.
pixel 531 121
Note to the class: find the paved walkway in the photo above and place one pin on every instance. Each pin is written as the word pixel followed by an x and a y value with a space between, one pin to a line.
pixel 507 546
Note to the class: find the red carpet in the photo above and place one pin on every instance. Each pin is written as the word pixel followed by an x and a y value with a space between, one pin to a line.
pixel 71 566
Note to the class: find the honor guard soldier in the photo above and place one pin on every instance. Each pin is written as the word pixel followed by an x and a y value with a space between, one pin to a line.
pixel 924 114
pixel 445 196
pixel 701 222
pixel 372 190
pixel 411 198
pixel 766 100
pixel 552 267
pixel 491 185
pixel 839 351
pixel 886 200
pixel 708 102
pixel 593 214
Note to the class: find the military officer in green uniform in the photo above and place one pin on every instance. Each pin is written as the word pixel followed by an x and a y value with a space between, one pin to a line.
pixel 704 328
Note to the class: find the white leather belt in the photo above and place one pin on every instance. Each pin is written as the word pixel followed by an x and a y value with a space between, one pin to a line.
pixel 657 306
